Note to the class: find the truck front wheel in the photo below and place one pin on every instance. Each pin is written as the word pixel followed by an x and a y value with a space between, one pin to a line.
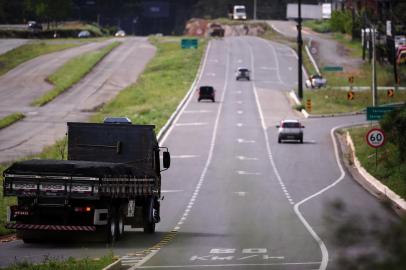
pixel 149 221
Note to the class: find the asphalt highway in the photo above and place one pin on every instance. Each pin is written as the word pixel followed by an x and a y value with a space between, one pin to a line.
pixel 234 197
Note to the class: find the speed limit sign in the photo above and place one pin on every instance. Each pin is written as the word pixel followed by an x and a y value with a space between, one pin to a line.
pixel 375 137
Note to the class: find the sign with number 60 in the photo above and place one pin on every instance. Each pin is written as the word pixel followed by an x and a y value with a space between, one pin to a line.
pixel 375 137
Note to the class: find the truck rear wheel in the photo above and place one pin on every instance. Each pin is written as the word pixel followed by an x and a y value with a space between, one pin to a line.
pixel 110 229
pixel 119 224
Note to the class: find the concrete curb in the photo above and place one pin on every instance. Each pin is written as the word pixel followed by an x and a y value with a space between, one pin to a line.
pixel 370 183
pixel 312 59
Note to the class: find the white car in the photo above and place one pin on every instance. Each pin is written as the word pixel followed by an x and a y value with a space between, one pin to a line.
pixel 290 130
pixel 120 33
pixel 316 81
pixel 84 34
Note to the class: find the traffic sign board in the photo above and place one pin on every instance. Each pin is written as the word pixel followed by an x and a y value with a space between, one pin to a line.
pixel 350 95
pixel 375 137
pixel 332 68
pixel 377 113
pixel 187 43
pixel 390 93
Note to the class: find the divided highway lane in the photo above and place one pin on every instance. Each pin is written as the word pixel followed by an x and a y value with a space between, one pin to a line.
pixel 238 215
pixel 44 125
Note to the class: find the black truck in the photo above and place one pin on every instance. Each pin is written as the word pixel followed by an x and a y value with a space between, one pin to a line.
pixel 112 178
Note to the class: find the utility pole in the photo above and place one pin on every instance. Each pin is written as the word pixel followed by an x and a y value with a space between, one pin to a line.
pixel 374 86
pixel 255 10
pixel 299 48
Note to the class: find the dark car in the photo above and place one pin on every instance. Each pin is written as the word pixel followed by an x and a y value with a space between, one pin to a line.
pixel 206 92
pixel 242 73
pixel 34 26
pixel 216 30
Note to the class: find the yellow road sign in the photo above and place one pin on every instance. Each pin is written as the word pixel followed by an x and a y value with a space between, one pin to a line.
pixel 350 95
pixel 390 93
pixel 309 105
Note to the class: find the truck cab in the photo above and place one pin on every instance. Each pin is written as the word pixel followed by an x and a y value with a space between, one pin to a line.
pixel 239 12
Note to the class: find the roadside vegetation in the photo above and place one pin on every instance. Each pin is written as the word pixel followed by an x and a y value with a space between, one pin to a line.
pixel 330 101
pixel 160 88
pixel 69 264
pixel 72 71
pixel 391 159
pixel 26 52
pixel 10 119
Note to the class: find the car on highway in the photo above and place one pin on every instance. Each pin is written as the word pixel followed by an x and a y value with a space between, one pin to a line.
pixel 34 26
pixel 120 33
pixel 290 130
pixel 206 92
pixel 242 73
pixel 216 30
pixel 84 34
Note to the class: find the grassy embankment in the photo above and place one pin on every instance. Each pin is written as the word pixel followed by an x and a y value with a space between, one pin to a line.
pixel 387 170
pixel 26 52
pixel 151 100
pixel 72 71
pixel 10 119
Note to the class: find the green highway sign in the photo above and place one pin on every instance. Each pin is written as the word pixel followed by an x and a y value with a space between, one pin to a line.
pixel 377 113
pixel 187 43
pixel 333 68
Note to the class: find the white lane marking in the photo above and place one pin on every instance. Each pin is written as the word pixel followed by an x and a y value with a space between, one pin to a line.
pixel 324 250
pixel 190 124
pixel 209 157
pixel 185 156
pixel 239 102
pixel 149 256
pixel 290 68
pixel 239 140
pixel 32 113
pixel 322 246
pixel 211 74
pixel 268 68
pixel 225 265
pixel 182 109
pixel 240 124
pixel 198 111
pixel 240 193
pixel 214 60
pixel 239 92
pixel 247 173
pixel 245 158
pixel 171 190
pixel 239 61
pixel 240 112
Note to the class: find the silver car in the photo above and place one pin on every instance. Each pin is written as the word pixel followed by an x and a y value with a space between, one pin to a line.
pixel 290 130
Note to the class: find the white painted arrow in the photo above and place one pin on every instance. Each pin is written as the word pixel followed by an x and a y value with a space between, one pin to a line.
pixel 247 173
pixel 240 193
pixel 246 158
pixel 245 141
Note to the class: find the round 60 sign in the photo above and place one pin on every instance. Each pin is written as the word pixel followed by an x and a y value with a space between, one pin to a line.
pixel 375 137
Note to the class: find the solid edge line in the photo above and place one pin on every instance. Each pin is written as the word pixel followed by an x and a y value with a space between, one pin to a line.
pixel 312 59
pixel 297 206
pixel 166 129
pixel 207 164
pixel 324 251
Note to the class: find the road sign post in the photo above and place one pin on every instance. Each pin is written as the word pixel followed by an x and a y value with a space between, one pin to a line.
pixel 375 138
pixel 309 105
pixel 350 94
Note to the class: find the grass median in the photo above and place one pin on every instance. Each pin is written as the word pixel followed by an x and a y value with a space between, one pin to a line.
pixel 26 52
pixel 329 101
pixel 160 88
pixel 69 264
pixel 72 72
pixel 10 119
